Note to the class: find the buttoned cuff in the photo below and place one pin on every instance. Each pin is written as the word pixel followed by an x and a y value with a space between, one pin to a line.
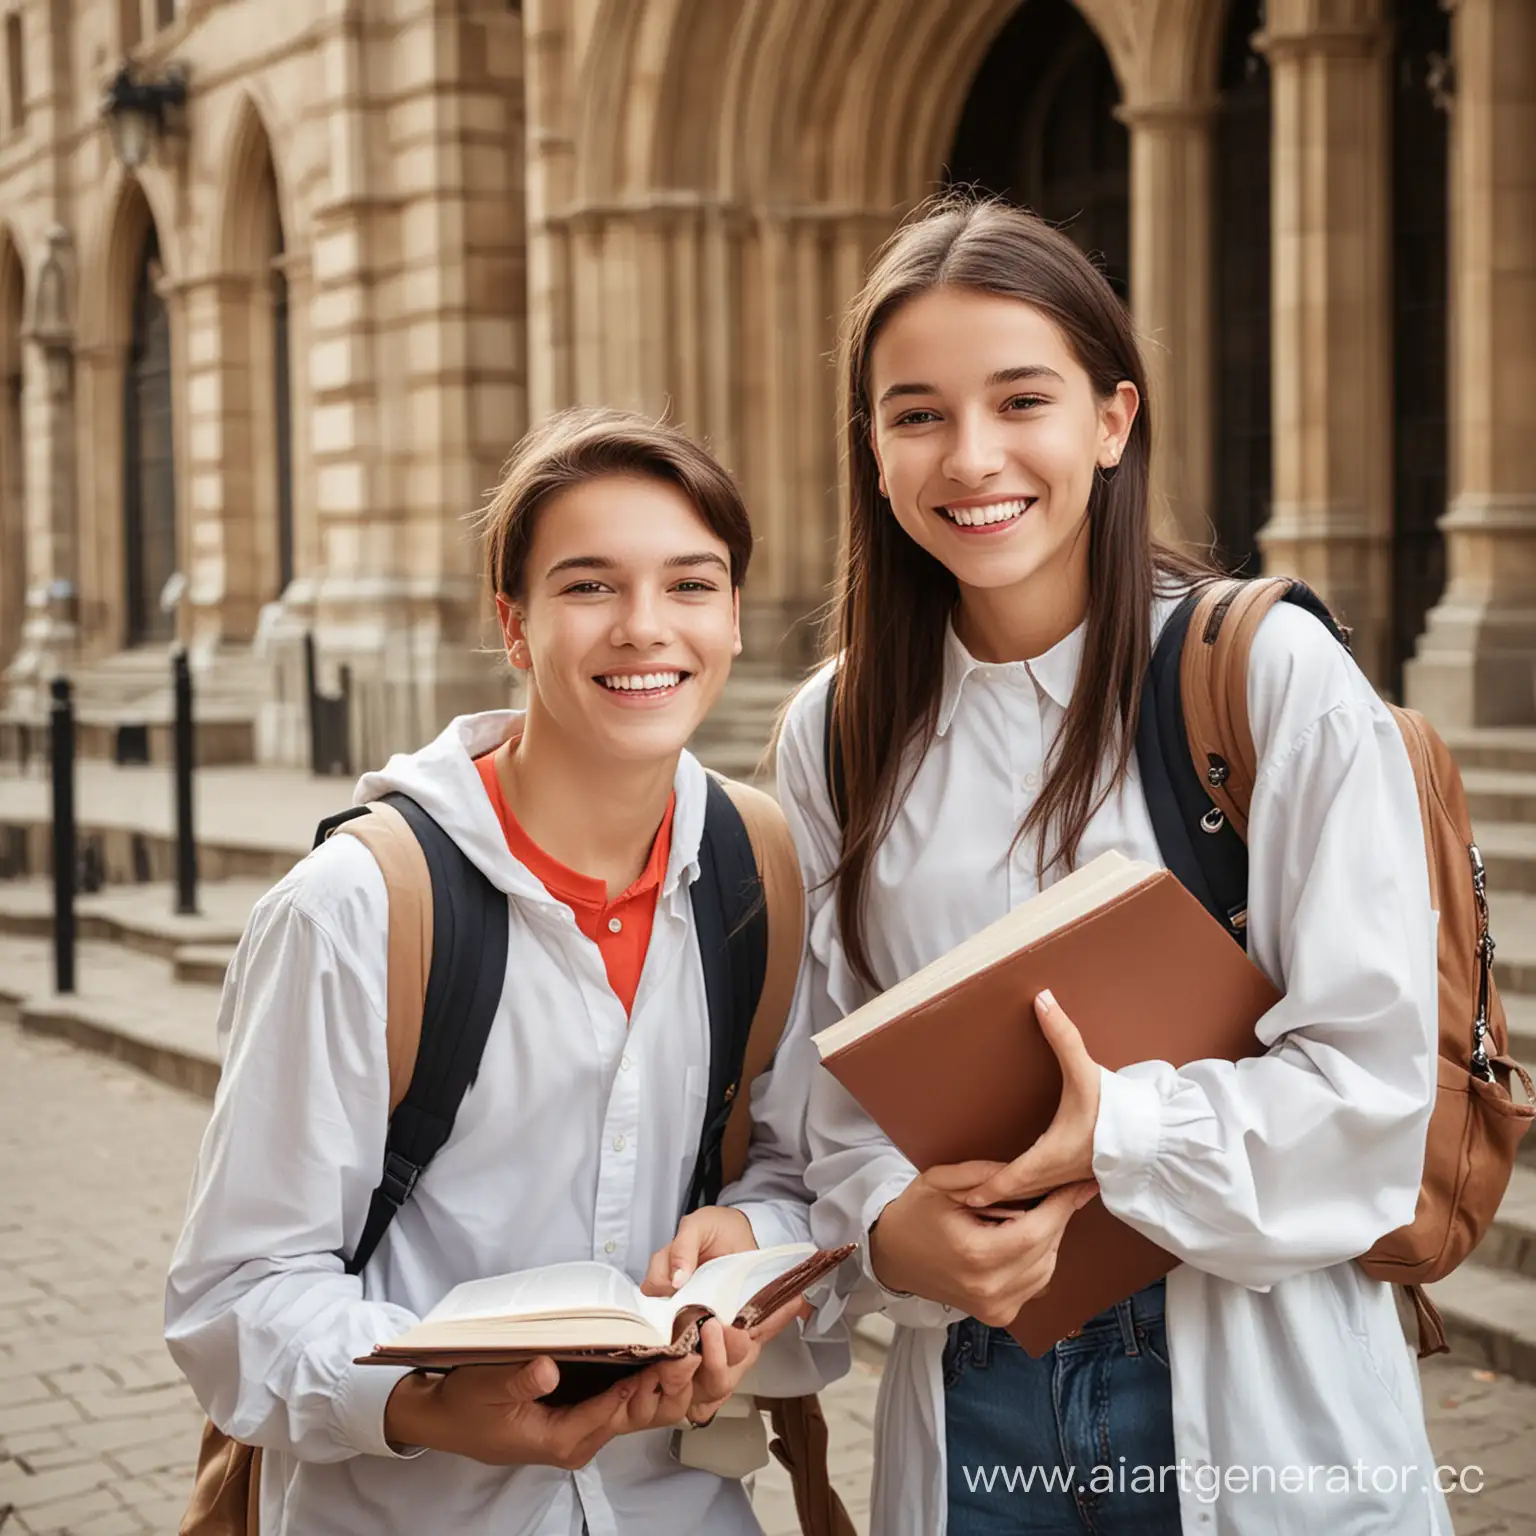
pixel 1126 1135
pixel 360 1400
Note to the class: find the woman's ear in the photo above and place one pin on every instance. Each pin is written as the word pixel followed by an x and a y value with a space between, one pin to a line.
pixel 1116 416
pixel 512 635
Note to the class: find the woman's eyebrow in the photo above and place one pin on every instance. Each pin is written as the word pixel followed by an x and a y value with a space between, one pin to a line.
pixel 1024 372
pixel 603 563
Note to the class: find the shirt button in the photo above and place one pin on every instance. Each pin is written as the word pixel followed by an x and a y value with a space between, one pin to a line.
pixel 618 1143
pixel 609 1246
pixel 624 1063
pixel 615 926
pixel 1031 780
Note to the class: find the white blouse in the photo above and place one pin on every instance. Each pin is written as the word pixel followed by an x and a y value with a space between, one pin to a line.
pixel 1266 1177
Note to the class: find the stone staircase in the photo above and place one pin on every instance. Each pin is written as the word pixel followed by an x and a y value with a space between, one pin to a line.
pixel 736 739
pixel 126 703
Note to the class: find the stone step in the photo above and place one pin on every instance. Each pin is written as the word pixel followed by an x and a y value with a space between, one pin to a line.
pixel 1509 851
pixel 1500 795
pixel 1501 747
pixel 142 918
pixel 204 964
pixel 1512 918
pixel 1510 1243
pixel 124 1006
pixel 1490 1316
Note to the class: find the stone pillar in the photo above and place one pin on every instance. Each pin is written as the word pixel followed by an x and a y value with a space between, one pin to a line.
pixel 1332 512
pixel 220 505
pixel 50 626
pixel 1171 299
pixel 414 362
pixel 1476 661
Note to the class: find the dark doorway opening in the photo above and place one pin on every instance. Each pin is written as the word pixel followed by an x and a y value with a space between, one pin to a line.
pixel 148 458
pixel 1039 128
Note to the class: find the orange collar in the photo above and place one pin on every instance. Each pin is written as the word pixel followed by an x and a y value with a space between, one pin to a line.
pixel 560 880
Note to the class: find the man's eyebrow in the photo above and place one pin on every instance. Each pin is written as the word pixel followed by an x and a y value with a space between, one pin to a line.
pixel 688 562
pixel 1023 372
pixel 580 563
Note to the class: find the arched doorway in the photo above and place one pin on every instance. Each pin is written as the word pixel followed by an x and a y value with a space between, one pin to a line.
pixel 1420 344
pixel 1240 189
pixel 1039 129
pixel 149 468
pixel 13 469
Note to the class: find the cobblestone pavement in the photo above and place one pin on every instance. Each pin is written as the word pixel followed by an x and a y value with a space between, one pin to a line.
pixel 98 1433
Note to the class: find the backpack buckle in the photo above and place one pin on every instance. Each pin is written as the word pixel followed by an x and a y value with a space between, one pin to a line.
pixel 400 1176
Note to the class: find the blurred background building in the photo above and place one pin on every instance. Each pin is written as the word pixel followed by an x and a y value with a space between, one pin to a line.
pixel 273 315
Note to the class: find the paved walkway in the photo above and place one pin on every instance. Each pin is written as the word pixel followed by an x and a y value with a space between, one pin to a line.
pixel 98 1433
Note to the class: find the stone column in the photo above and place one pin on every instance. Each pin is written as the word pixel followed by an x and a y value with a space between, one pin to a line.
pixel 1476 662
pixel 1332 511
pixel 50 625
pixel 1171 299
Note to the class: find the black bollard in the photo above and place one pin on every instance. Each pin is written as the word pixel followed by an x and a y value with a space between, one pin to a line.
pixel 61 722
pixel 186 845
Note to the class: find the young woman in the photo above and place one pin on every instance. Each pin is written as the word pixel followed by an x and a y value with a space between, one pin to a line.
pixel 616 549
pixel 1000 596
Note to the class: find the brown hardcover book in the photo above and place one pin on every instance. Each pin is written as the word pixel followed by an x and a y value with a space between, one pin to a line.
pixel 951 1063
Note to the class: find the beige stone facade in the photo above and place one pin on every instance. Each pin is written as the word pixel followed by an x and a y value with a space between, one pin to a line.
pixel 286 356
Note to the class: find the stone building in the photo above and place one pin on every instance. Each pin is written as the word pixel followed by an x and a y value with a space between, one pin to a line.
pixel 285 354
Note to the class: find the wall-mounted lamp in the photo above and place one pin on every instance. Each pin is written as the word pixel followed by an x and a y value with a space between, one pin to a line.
pixel 137 109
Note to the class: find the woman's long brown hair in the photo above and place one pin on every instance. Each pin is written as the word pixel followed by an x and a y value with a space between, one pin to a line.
pixel 894 599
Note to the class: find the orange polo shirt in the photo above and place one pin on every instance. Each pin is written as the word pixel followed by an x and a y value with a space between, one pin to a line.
pixel 620 928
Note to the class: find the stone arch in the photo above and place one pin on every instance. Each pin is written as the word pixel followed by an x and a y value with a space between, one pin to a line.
pixel 244 310
pixel 251 191
pixel 130 207
pixel 731 170
pixel 13 471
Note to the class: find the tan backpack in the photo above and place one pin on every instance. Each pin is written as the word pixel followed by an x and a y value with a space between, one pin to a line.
pixel 1476 1124
pixel 227 1486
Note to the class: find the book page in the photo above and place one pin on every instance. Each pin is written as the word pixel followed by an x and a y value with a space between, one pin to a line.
pixel 726 1284
pixel 555 1290
pixel 1072 897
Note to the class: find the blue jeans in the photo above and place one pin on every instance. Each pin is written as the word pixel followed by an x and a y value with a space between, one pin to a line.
pixel 1081 1440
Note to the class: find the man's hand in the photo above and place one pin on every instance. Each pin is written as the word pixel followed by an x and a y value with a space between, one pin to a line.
pixel 1064 1154
pixel 702 1235
pixel 729 1353
pixel 489 1413
pixel 985 1264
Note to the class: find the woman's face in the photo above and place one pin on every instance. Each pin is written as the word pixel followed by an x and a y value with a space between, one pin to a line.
pixel 987 432
pixel 628 621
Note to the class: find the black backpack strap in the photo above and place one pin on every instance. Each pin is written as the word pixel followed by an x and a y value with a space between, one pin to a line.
pixel 1198 843
pixel 330 823
pixel 731 919
pixel 1200 848
pixel 464 987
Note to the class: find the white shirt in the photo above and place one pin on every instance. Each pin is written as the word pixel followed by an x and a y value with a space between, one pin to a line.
pixel 576 1141
pixel 1266 1177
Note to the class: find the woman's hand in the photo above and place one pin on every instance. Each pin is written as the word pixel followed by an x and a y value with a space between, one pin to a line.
pixel 987 1264
pixel 1064 1154
pixel 702 1235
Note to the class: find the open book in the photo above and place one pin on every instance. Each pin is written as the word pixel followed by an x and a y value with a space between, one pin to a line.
pixel 951 1062
pixel 594 1312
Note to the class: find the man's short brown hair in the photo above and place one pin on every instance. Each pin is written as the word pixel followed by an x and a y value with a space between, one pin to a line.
pixel 586 443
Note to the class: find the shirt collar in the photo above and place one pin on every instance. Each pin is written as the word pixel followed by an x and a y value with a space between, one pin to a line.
pixel 1054 673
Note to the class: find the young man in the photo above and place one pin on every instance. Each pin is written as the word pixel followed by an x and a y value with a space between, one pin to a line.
pixel 616 550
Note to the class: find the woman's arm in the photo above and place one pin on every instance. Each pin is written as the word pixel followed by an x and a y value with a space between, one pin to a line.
pixel 1304 1157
